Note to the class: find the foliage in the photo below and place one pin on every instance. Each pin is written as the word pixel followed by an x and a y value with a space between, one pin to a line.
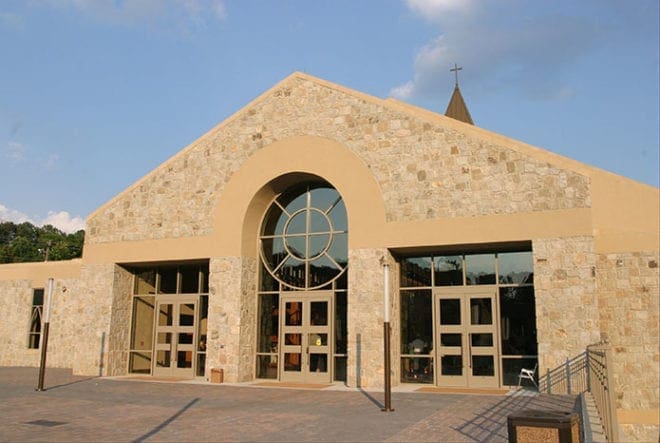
pixel 25 242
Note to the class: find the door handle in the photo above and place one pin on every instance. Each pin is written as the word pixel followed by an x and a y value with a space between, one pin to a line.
pixel 470 350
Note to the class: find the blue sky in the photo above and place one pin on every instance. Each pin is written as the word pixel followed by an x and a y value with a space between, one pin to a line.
pixel 94 94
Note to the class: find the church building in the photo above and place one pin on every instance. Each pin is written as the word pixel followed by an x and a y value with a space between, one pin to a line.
pixel 260 249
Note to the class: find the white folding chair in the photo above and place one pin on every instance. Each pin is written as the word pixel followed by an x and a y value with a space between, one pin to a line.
pixel 528 374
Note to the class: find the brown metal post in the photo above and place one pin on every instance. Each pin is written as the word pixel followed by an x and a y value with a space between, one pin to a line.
pixel 388 381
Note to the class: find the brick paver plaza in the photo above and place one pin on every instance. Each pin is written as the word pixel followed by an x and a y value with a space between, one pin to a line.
pixel 101 409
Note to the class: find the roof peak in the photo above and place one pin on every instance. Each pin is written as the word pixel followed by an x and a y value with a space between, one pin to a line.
pixel 457 109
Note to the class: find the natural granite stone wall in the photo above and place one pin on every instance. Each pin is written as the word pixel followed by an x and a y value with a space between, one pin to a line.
pixel 365 365
pixel 16 305
pixel 628 288
pixel 118 342
pixel 448 173
pixel 232 317
pixel 567 316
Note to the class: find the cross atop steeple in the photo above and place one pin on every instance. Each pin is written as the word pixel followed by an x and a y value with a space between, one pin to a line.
pixel 455 70
pixel 456 108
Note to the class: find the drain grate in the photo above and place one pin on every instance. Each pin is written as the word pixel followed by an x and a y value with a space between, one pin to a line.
pixel 46 423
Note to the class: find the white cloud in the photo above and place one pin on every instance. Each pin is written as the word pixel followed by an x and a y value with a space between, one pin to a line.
pixel 13 215
pixel 435 10
pixel 506 44
pixel 62 220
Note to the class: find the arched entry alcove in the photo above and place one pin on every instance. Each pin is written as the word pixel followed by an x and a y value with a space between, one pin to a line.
pixel 295 168
pixel 302 285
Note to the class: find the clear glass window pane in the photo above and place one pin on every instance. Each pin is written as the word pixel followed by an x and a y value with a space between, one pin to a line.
pixel 165 314
pixel 448 270
pixel 319 313
pixel 518 321
pixel 293 315
pixel 292 361
pixel 511 370
pixel 417 370
pixel 416 321
pixel 292 339
pixel 480 269
pixel 163 359
pixel 451 365
pixel 184 359
pixel 37 297
pixel 481 340
pixel 268 322
pixel 340 368
pixel 203 322
pixel 186 314
pixel 318 339
pixel 483 365
pixel 145 282
pixel 143 323
pixel 481 311
pixel 139 363
pixel 515 268
pixel 168 281
pixel 189 279
pixel 451 339
pixel 318 362
pixel 267 366
pixel 450 311
pixel 416 271
pixel 201 364
pixel 341 332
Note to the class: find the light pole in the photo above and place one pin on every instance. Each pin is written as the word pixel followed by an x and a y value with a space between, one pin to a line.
pixel 386 338
pixel 44 338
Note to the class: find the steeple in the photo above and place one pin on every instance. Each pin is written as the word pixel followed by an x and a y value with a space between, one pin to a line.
pixel 457 108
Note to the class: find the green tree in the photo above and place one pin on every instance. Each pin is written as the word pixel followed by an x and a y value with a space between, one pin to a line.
pixel 25 242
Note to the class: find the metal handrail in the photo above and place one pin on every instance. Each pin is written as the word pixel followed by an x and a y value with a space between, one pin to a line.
pixel 599 363
pixel 589 371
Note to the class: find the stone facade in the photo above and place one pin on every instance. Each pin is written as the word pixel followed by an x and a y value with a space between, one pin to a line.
pixel 426 173
pixel 448 174
pixel 567 316
pixel 628 288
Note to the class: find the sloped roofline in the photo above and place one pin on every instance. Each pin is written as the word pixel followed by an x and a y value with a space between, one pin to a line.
pixel 399 106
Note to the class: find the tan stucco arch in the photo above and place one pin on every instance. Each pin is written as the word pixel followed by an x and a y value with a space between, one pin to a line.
pixel 246 195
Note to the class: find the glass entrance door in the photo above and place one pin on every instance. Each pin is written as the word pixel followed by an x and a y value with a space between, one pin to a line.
pixel 306 335
pixel 175 336
pixel 466 337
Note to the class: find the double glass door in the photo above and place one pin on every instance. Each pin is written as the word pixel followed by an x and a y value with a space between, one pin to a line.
pixel 175 336
pixel 466 338
pixel 306 334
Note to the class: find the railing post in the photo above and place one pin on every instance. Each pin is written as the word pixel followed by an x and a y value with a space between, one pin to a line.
pixel 568 376
pixel 547 380
pixel 588 366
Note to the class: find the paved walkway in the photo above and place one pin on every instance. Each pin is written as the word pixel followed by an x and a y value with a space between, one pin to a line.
pixel 102 409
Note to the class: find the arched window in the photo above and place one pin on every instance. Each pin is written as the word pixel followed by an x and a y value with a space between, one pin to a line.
pixel 304 237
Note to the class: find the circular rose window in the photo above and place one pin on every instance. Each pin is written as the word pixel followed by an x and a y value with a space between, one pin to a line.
pixel 304 237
